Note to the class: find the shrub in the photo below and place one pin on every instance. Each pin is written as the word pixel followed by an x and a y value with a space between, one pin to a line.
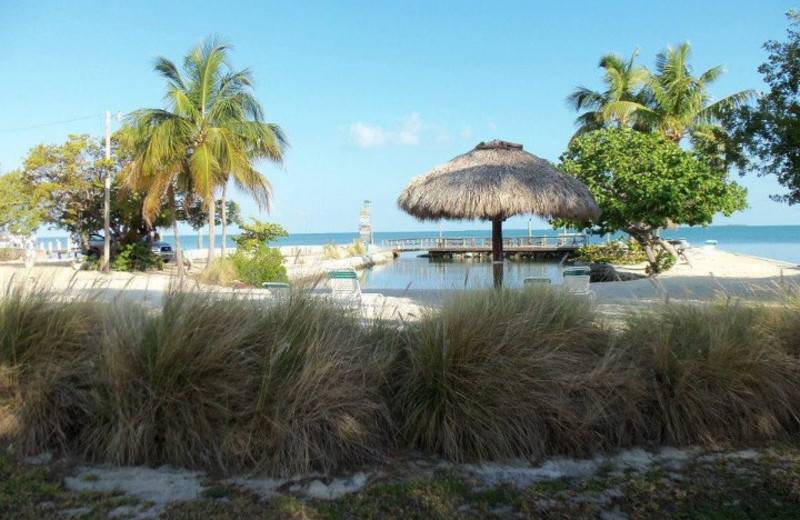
pixel 254 261
pixel 711 374
pixel 222 272
pixel 356 248
pixel 331 252
pixel 616 252
pixel 10 253
pixel 261 264
pixel 664 262
pixel 498 374
pixel 136 257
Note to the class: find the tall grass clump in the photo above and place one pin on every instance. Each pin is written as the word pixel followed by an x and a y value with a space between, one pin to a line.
pixel 318 394
pixel 712 374
pixel 226 384
pixel 173 383
pixel 45 364
pixel 498 374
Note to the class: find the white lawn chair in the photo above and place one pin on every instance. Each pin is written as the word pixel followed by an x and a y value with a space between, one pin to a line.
pixel 577 279
pixel 345 288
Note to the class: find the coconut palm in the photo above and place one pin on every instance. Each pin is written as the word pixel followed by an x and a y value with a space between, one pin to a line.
pixel 269 145
pixel 680 104
pixel 621 100
pixel 212 129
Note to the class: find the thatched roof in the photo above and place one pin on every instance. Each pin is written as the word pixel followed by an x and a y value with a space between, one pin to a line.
pixel 495 181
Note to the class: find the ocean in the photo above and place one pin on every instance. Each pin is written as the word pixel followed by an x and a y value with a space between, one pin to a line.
pixel 776 242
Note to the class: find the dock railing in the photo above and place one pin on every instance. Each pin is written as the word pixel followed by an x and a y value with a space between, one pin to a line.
pixel 544 242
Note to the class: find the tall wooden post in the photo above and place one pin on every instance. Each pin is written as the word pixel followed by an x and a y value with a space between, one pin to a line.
pixel 497 252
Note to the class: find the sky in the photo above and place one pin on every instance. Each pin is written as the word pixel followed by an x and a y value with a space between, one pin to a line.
pixel 370 94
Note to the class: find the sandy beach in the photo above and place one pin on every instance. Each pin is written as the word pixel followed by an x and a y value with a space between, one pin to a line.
pixel 708 274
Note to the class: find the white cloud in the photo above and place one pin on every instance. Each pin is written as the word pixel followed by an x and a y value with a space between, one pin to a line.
pixel 410 131
pixel 466 133
pixel 366 136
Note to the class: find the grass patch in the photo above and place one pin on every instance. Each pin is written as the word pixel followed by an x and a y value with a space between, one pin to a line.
pixel 712 374
pixel 497 374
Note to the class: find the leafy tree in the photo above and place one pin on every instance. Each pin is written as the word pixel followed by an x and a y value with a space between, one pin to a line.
pixel 211 129
pixel 65 183
pixel 254 260
pixel 258 233
pixel 19 214
pixel 618 103
pixel 642 182
pixel 770 129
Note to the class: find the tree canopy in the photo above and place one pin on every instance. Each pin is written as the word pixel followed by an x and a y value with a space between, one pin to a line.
pixel 18 213
pixel 671 99
pixel 643 182
pixel 65 184
pixel 770 129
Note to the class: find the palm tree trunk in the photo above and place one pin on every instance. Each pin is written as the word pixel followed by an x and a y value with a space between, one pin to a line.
pixel 212 214
pixel 200 238
pixel 174 215
pixel 224 215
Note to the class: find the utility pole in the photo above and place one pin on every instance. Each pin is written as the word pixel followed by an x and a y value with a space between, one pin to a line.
pixel 107 197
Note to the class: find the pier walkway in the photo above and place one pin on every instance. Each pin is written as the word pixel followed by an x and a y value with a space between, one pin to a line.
pixel 522 246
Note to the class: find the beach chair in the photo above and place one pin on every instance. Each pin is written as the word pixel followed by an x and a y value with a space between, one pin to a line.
pixel 345 288
pixel 577 279
pixel 537 280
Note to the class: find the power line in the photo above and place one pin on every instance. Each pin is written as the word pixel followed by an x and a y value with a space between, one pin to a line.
pixel 55 123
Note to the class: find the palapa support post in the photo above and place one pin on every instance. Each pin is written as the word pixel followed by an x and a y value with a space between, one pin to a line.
pixel 497 251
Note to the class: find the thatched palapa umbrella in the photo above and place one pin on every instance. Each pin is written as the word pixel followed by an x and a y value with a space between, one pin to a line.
pixel 494 181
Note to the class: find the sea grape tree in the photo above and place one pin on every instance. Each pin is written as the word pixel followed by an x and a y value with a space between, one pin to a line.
pixel 643 182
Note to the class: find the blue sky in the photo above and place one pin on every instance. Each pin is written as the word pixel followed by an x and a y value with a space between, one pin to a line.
pixel 370 93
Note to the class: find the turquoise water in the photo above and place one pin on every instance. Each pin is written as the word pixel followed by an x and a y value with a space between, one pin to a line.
pixel 778 242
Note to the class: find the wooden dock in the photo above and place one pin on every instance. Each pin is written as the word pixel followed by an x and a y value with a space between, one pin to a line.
pixel 533 246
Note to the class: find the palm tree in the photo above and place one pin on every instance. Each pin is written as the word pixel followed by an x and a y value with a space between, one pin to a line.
pixel 680 104
pixel 212 128
pixel 621 100
pixel 269 145
pixel 670 100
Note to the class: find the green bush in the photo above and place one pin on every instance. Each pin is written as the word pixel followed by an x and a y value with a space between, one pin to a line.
pixel 136 257
pixel 254 261
pixel 616 252
pixel 261 264
pixel 664 262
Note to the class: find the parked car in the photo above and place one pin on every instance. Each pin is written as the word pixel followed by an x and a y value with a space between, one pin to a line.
pixel 94 248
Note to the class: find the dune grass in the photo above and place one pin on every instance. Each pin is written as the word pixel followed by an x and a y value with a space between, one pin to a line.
pixel 497 374
pixel 713 373
pixel 214 382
